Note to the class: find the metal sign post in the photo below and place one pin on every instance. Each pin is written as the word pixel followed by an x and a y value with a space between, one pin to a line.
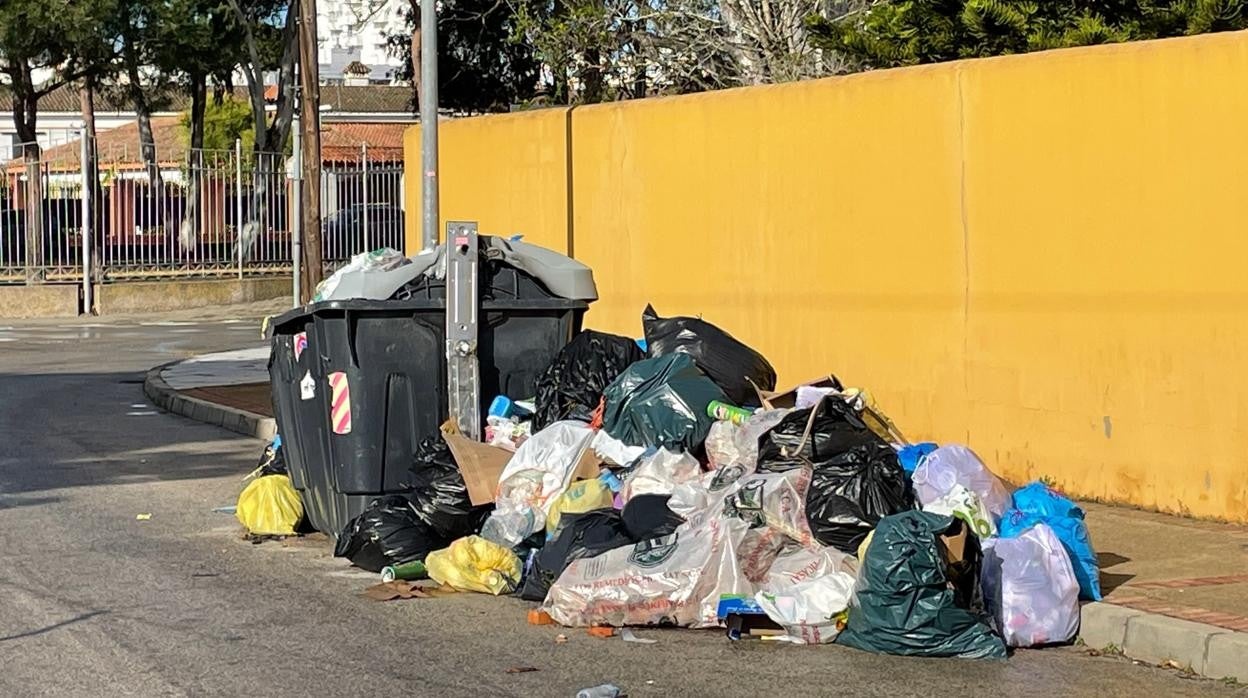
pixel 462 301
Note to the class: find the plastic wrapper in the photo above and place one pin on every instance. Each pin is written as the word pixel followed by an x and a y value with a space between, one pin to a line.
pixel 733 366
pixel 660 473
pixel 507 433
pixel 775 500
pixel 1030 588
pixel 539 472
pixel 1036 503
pixel 906 601
pixel 813 610
pixel 952 465
pixel 571 387
pixel 661 403
pixel 579 498
pixel 388 532
pixel 965 505
pixel 438 494
pixel 911 456
pixel 856 478
pixel 614 451
pixel 675 580
pixel 475 564
pixel 269 506
pixel 732 444
pixel 578 536
pixel 381 259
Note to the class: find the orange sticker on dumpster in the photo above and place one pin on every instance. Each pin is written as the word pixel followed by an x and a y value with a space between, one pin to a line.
pixel 340 403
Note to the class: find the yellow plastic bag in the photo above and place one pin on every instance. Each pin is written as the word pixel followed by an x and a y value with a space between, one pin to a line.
pixel 581 497
pixel 475 564
pixel 270 506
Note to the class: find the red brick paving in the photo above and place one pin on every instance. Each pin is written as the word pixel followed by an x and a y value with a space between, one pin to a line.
pixel 252 397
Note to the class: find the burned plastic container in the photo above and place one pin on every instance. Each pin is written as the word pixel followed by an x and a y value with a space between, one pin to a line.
pixel 378 371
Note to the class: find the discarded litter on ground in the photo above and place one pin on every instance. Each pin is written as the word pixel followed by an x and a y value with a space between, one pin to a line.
pixel 666 482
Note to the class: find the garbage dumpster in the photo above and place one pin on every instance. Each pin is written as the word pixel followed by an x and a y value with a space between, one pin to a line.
pixel 370 382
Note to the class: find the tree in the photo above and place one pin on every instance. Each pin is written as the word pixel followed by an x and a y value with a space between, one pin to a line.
pixel 38 36
pixel 907 32
pixel 480 67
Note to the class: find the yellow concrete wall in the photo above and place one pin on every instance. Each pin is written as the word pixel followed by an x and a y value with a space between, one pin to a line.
pixel 509 172
pixel 1035 255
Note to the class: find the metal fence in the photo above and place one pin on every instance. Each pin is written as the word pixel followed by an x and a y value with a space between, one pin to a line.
pixel 203 213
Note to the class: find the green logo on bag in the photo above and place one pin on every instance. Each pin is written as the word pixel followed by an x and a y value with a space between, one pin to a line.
pixel 653 552
pixel 726 476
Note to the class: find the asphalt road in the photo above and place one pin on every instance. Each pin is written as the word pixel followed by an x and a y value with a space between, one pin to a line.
pixel 96 602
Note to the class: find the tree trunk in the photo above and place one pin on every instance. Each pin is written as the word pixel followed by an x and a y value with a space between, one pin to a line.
pixel 25 119
pixel 190 229
pixel 310 113
pixel 95 207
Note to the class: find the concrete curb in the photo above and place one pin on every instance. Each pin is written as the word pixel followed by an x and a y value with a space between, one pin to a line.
pixel 1208 650
pixel 236 420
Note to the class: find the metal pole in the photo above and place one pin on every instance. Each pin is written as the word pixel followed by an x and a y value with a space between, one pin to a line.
pixel 368 240
pixel 84 155
pixel 238 202
pixel 429 122
pixel 296 223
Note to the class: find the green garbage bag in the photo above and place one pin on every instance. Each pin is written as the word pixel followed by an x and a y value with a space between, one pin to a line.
pixel 661 403
pixel 904 602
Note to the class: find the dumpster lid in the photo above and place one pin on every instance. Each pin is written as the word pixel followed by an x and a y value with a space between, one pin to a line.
pixel 564 276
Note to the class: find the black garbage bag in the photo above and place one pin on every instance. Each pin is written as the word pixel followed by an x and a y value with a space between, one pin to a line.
pixel 661 403
pixel 577 536
pixel 728 362
pixel 856 477
pixel 647 516
pixel 438 493
pixel 904 602
pixel 571 387
pixel 273 460
pixel 388 532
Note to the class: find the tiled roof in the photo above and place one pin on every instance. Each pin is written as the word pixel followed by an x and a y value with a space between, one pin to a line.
pixel 119 147
pixel 360 99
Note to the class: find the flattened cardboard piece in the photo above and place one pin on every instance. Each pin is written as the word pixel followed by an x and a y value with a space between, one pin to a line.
pixel 783 399
pixel 482 464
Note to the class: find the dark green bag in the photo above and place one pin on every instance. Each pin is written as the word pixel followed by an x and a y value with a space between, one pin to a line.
pixel 904 602
pixel 661 403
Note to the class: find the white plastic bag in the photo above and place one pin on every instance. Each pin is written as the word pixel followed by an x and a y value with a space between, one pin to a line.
pixel 1030 587
pixel 381 259
pixel 660 473
pixel 539 472
pixel 965 505
pixel 614 451
pixel 797 564
pixel 730 444
pixel 707 494
pixel 811 610
pixel 672 580
pixel 776 500
pixel 958 465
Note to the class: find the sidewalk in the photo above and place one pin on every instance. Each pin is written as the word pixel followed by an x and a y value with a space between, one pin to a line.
pixel 1176 589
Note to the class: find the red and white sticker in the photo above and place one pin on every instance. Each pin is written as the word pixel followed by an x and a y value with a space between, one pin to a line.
pixel 301 343
pixel 340 403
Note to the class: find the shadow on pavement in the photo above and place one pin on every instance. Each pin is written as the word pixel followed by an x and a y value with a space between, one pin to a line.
pixel 49 628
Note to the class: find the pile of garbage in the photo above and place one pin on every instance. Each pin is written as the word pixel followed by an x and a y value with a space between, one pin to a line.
pixel 666 482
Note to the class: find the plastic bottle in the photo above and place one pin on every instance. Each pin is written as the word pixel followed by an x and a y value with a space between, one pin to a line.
pixel 728 413
pixel 609 479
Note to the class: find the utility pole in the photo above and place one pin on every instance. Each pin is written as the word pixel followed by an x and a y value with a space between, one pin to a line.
pixel 429 122
pixel 310 122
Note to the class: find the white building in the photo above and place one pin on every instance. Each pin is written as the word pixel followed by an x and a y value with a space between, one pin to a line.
pixel 356 34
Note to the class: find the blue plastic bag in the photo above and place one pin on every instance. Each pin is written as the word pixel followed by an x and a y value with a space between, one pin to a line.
pixel 1036 503
pixel 911 456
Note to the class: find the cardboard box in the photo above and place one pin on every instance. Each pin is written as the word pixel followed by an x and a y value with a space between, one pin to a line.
pixel 482 464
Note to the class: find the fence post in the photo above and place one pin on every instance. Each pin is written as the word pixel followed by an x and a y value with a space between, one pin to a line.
pixel 238 203
pixel 83 161
pixel 296 222
pixel 368 238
